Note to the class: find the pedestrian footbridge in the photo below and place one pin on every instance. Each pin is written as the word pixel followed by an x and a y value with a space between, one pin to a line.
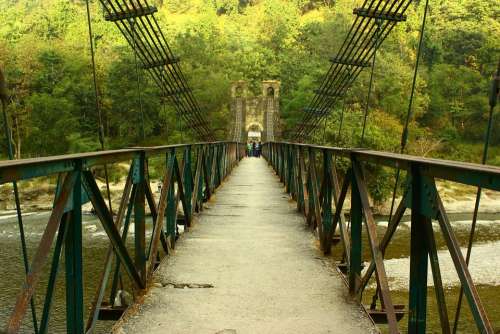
pixel 248 265
pixel 286 243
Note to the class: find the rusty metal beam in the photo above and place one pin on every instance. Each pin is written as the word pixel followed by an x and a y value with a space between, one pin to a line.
pixel 377 255
pixel 40 257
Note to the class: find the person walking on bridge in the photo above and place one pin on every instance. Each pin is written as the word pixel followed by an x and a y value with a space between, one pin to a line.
pixel 249 149
pixel 258 150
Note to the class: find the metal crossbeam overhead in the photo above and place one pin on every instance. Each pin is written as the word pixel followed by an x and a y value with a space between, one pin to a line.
pixel 129 14
pixel 163 62
pixel 338 60
pixel 379 15
pixel 374 20
pixel 136 21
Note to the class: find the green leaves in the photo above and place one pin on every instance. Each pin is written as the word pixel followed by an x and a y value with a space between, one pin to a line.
pixel 44 51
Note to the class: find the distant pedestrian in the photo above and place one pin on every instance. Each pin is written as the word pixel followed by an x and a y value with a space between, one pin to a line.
pixel 249 150
pixel 254 149
pixel 258 149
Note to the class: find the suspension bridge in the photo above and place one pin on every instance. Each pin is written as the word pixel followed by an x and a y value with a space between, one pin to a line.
pixel 233 244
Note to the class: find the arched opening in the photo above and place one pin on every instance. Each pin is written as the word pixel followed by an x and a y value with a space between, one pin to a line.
pixel 270 91
pixel 254 132
pixel 239 91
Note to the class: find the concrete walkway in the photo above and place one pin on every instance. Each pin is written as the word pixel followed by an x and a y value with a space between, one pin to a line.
pixel 248 266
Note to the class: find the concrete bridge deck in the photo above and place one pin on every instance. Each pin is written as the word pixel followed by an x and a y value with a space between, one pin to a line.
pixel 248 266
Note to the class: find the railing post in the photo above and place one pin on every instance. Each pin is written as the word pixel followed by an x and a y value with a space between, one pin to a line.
pixel 289 180
pixel 188 179
pixel 300 188
pixel 170 215
pixel 140 215
pixel 220 164
pixel 282 163
pixel 327 202
pixel 209 159
pixel 278 160
pixel 275 157
pixel 271 154
pixel 236 155
pixel 418 258
pixel 356 228
pixel 73 259
pixel 200 197
pixel 286 165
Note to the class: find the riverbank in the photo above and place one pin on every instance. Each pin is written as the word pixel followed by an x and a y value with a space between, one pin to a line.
pixel 37 196
pixel 457 198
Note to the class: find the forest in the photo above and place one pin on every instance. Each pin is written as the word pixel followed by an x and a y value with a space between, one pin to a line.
pixel 44 51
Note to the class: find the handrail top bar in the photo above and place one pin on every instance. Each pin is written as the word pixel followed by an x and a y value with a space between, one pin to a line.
pixel 423 161
pixel 12 170
pixel 474 174
pixel 367 154
pixel 98 154
pixel 65 157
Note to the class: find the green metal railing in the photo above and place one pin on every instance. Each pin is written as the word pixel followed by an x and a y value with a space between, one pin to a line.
pixel 310 176
pixel 191 173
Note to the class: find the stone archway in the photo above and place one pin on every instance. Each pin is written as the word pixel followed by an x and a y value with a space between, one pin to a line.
pixel 254 131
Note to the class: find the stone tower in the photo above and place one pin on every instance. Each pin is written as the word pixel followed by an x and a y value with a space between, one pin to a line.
pixel 239 92
pixel 270 107
pixel 255 118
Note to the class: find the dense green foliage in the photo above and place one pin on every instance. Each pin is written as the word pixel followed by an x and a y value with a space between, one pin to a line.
pixel 44 50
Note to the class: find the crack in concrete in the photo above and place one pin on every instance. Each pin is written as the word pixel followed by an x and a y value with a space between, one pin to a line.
pixel 188 285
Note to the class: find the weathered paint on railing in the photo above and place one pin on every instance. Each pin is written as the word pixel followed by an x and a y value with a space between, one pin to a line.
pixel 189 180
pixel 296 165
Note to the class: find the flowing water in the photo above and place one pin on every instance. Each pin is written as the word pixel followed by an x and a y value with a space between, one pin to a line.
pixel 485 268
pixel 95 244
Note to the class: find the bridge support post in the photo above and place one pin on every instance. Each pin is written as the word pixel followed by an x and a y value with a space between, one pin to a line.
pixel 73 259
pixel 281 163
pixel 188 182
pixel 272 155
pixel 275 157
pixel 327 217
pixel 418 258
pixel 140 215
pixel 356 229
pixel 171 217
pixel 289 177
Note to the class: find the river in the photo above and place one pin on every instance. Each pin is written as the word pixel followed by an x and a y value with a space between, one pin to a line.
pixel 484 268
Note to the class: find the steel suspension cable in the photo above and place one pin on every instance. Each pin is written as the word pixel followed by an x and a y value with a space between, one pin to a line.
pixel 367 106
pixel 97 103
pixel 362 48
pixel 175 69
pixel 345 82
pixel 494 95
pixel 138 81
pixel 324 130
pixel 345 47
pixel 364 54
pixel 160 48
pixel 409 112
pixel 362 51
pixel 360 43
pixel 356 35
pixel 169 76
pixel 10 152
pixel 341 121
pixel 165 82
pixel 404 135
